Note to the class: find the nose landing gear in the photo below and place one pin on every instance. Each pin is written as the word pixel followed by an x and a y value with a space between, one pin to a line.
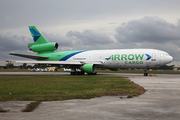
pixel 145 73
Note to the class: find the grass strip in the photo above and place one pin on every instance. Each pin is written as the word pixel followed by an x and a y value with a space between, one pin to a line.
pixel 30 107
pixel 14 70
pixel 51 88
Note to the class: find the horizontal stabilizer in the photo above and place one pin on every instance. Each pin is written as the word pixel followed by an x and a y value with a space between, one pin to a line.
pixel 30 56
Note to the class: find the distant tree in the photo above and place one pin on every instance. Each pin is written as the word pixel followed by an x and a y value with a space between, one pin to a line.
pixel 40 65
pixel 4 67
pixel 24 65
pixel 29 66
pixel 20 67
pixel 9 65
pixel 164 67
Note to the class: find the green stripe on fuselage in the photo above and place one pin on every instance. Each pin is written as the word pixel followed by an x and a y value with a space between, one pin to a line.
pixel 56 56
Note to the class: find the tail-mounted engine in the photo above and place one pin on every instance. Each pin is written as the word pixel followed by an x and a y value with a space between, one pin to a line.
pixel 44 47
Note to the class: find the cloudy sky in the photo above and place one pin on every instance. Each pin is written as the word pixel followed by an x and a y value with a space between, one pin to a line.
pixel 91 24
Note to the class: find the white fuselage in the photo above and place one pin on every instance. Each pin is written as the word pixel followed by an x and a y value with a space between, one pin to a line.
pixel 125 58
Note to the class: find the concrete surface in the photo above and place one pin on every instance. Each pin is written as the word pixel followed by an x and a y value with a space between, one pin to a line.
pixel 160 102
pixel 14 106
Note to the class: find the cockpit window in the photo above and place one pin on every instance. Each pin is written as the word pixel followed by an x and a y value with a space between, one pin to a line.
pixel 164 54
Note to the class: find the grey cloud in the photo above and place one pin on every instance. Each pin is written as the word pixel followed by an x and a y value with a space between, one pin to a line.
pixel 150 32
pixel 19 13
pixel 152 29
pixel 5 55
pixel 11 42
pixel 89 37
pixel 63 41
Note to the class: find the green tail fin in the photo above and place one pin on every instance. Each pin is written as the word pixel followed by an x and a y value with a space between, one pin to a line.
pixel 37 36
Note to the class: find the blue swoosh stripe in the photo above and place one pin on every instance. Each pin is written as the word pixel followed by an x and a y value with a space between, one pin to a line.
pixel 36 38
pixel 34 32
pixel 70 55
pixel 149 57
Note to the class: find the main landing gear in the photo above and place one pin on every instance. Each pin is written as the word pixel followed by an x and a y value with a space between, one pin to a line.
pixel 92 73
pixel 81 73
pixel 77 73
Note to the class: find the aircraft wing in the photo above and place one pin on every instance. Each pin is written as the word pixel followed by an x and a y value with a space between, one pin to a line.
pixel 35 57
pixel 62 62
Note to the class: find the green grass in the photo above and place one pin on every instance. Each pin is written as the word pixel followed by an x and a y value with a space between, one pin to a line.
pixel 14 70
pixel 30 107
pixel 50 88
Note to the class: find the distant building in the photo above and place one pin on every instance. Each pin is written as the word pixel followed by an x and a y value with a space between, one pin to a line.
pixel 176 68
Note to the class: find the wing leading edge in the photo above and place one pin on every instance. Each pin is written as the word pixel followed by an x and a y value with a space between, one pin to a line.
pixel 35 57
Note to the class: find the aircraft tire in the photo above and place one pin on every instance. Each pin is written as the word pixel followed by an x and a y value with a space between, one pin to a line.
pixel 81 73
pixel 92 73
pixel 77 73
pixel 145 74
pixel 72 73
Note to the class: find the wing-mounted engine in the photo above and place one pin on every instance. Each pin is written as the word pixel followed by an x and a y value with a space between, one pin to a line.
pixel 89 68
pixel 44 47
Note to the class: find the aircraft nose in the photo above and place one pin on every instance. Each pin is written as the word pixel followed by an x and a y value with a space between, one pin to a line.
pixel 169 59
pixel 172 59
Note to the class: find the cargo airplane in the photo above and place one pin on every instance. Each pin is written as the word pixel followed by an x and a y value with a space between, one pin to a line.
pixel 86 61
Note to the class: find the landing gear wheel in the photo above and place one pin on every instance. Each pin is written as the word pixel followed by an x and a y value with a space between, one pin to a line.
pixel 77 73
pixel 72 73
pixel 145 74
pixel 81 73
pixel 92 73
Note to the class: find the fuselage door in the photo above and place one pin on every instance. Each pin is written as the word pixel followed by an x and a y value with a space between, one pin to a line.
pixel 153 57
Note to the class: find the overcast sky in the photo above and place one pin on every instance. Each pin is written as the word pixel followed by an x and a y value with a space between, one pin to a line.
pixel 91 24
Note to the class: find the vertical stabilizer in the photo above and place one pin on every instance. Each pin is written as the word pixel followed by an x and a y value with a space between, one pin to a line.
pixel 37 36
pixel 40 44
